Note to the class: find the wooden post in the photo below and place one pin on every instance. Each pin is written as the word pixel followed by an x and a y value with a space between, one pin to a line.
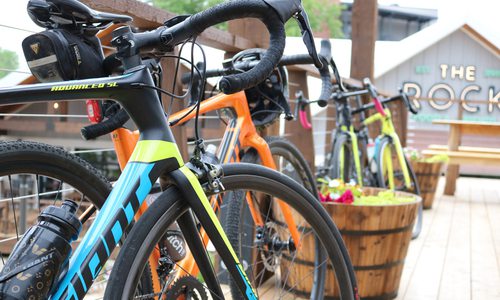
pixel 252 29
pixel 331 124
pixel 364 35
pixel 400 120
pixel 452 171
pixel 300 137
pixel 454 141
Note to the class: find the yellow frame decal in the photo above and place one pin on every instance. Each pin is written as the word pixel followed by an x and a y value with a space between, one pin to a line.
pixel 148 151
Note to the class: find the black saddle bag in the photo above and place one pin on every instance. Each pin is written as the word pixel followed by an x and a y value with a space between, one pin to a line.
pixel 60 55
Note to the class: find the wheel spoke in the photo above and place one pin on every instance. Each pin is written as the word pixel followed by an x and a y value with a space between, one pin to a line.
pixel 37 192
pixel 59 191
pixel 13 207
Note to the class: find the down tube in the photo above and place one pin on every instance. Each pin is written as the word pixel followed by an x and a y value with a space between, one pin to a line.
pixel 195 196
pixel 148 161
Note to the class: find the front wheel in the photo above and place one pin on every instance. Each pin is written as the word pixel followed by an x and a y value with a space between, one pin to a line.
pixel 291 260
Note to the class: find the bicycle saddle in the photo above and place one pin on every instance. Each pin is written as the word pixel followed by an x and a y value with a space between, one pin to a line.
pixel 57 13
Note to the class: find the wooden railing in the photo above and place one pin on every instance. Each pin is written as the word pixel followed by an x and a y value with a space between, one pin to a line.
pixel 241 34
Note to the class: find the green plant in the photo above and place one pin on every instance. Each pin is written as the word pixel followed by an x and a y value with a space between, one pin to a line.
pixel 416 156
pixel 8 61
pixel 383 198
pixel 323 15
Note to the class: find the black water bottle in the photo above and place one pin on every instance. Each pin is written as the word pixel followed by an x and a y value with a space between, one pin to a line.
pixel 41 254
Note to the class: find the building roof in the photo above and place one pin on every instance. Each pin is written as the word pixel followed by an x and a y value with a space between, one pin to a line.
pixel 390 54
pixel 387 58
pixel 399 12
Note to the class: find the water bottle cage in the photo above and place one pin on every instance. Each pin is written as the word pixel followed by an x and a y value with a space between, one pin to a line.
pixel 22 268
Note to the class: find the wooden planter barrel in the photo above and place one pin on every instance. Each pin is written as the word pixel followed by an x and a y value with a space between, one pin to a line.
pixel 427 177
pixel 377 238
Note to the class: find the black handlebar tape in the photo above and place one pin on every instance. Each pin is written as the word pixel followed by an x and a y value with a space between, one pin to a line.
pixel 296 59
pixel 325 55
pixel 96 130
pixel 231 10
pixel 408 103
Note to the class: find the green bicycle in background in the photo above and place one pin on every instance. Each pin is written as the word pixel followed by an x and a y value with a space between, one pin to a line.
pixel 388 167
pixel 350 160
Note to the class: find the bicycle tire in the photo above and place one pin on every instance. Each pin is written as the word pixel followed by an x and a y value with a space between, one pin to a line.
pixel 152 226
pixel 382 182
pixel 35 175
pixel 290 162
pixel 25 157
pixel 284 148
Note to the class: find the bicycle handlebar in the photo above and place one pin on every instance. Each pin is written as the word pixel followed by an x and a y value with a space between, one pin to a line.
pixel 373 104
pixel 286 60
pixel 273 13
pixel 408 103
pixel 94 131
pixel 378 104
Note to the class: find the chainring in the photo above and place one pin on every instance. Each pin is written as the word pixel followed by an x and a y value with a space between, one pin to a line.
pixel 187 288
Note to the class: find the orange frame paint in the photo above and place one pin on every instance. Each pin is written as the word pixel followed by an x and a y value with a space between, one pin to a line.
pixel 240 134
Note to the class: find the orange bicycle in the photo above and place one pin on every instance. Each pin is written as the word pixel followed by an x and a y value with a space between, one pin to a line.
pixel 244 111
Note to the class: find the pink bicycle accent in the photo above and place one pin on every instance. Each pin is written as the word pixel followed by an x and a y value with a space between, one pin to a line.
pixel 303 120
pixel 378 106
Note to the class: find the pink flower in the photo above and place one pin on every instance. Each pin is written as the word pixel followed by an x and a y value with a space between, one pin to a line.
pixel 346 198
pixel 326 198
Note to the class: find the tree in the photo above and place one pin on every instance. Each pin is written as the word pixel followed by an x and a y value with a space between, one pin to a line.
pixel 323 14
pixel 184 6
pixel 8 60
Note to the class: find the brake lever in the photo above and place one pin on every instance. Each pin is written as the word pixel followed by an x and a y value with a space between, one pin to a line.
pixel 299 95
pixel 308 37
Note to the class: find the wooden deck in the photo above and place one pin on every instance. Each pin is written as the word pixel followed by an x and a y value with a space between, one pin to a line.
pixel 457 256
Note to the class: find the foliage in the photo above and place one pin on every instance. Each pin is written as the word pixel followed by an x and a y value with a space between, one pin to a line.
pixel 323 14
pixel 415 155
pixel 339 192
pixel 184 6
pixel 8 60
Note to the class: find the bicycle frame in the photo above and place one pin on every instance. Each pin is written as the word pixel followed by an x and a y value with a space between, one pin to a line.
pixel 155 154
pixel 388 130
pixel 240 133
pixel 349 130
pixel 346 127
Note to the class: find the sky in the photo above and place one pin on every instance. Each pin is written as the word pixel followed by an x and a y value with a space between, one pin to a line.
pixel 482 14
